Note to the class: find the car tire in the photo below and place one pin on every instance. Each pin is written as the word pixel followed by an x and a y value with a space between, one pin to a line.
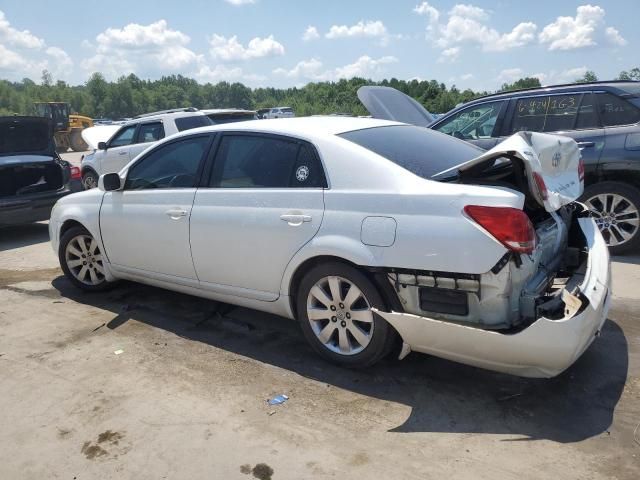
pixel 89 180
pixel 81 260
pixel 331 327
pixel 611 203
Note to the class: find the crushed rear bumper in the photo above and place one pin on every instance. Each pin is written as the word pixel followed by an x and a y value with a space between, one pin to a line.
pixel 544 349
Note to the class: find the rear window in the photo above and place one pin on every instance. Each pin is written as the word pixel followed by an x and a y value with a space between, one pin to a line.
pixel 422 151
pixel 195 121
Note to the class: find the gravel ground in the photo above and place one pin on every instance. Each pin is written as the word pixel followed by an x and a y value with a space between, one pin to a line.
pixel 186 396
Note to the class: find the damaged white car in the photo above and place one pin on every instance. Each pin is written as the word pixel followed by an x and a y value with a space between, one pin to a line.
pixel 364 230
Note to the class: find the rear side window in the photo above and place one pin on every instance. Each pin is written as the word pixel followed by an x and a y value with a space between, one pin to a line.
pixel 174 165
pixel 247 161
pixel 554 113
pixel 195 121
pixel 420 150
pixel 150 132
pixel 616 111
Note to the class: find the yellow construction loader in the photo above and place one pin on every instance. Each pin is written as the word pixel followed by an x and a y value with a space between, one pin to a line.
pixel 67 127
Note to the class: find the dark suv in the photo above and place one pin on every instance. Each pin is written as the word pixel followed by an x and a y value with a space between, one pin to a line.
pixel 603 117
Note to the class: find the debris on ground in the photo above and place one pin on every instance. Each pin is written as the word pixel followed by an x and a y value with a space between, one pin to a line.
pixel 278 400
pixel 118 352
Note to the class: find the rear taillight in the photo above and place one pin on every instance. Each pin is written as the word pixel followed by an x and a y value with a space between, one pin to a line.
pixel 542 187
pixel 75 173
pixel 581 170
pixel 509 226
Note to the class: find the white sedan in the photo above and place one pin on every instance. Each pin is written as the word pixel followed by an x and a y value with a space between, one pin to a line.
pixel 365 231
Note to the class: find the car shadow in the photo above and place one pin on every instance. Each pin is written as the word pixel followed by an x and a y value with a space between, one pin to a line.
pixel 629 259
pixel 23 235
pixel 444 396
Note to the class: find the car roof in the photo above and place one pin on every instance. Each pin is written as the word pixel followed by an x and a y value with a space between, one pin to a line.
pixel 301 127
pixel 224 111
pixel 616 86
pixel 163 116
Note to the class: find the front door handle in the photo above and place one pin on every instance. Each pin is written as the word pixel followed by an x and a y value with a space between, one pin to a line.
pixel 586 144
pixel 295 219
pixel 176 213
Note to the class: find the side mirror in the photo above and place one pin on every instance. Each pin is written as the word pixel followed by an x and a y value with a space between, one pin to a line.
pixel 110 182
pixel 102 145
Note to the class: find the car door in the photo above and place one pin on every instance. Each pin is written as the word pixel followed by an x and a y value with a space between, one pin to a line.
pixel 145 225
pixel 572 114
pixel 262 203
pixel 479 123
pixel 147 134
pixel 116 156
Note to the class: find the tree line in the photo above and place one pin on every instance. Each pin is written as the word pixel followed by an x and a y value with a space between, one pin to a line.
pixel 130 96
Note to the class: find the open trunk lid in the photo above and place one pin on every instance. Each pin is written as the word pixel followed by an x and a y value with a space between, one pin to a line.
pixel 552 163
pixel 387 103
pixel 26 136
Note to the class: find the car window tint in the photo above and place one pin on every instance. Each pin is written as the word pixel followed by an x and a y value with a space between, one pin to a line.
pixel 616 111
pixel 123 137
pixel 308 171
pixel 194 121
pixel 150 132
pixel 245 161
pixel 587 113
pixel 174 165
pixel 420 150
pixel 549 113
pixel 472 123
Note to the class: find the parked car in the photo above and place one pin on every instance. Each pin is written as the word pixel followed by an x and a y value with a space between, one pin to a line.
pixel 361 229
pixel 603 117
pixel 279 112
pixel 135 136
pixel 32 175
pixel 229 115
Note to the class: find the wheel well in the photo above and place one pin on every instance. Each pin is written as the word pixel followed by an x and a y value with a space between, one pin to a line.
pixel 88 169
pixel 386 292
pixel 68 225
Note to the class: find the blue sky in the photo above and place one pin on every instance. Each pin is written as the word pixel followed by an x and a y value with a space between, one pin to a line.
pixel 478 44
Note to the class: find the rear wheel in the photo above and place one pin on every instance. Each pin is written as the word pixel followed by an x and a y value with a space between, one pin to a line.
pixel 334 304
pixel 81 260
pixel 616 209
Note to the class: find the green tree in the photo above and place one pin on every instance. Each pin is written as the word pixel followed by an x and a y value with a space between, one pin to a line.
pixel 589 76
pixel 527 82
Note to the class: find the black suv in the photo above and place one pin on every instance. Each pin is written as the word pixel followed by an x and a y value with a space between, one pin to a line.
pixel 603 117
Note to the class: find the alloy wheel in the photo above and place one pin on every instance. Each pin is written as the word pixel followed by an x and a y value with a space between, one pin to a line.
pixel 340 315
pixel 84 259
pixel 616 216
pixel 89 181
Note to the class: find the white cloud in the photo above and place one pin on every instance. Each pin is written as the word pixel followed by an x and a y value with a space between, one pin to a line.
pixel 449 55
pixel 313 69
pixel 10 60
pixel 427 10
pixel 467 76
pixel 141 49
pixel 63 65
pixel 361 29
pixel 18 38
pixel 586 29
pixel 231 50
pixel 311 33
pixel 238 3
pixel 224 73
pixel 469 11
pixel 510 74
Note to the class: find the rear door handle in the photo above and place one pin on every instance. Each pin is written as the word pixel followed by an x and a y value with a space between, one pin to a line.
pixel 176 213
pixel 295 219
pixel 586 144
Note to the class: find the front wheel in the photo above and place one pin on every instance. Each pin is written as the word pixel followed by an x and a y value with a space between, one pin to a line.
pixel 334 304
pixel 615 207
pixel 89 180
pixel 82 261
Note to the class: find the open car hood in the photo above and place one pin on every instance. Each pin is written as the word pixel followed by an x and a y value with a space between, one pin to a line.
pixel 100 133
pixel 553 158
pixel 387 103
pixel 26 136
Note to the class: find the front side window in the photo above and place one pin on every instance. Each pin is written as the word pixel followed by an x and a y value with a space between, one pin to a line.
pixel 150 132
pixel 123 137
pixel 174 165
pixel 554 113
pixel 473 123
pixel 246 161
pixel 616 111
